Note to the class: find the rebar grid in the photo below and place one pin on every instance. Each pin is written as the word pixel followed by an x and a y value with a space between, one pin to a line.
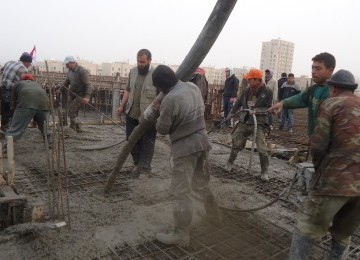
pixel 243 236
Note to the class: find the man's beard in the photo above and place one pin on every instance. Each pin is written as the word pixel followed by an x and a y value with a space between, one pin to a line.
pixel 144 70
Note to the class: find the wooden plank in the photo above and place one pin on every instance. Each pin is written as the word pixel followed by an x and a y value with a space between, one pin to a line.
pixel 9 196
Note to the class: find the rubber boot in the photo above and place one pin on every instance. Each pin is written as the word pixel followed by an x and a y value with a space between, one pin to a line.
pixel 233 155
pixel 182 219
pixel 230 163
pixel 337 250
pixel 264 163
pixel 179 237
pixel 72 124
pixel 213 214
pixel 78 128
pixel 300 247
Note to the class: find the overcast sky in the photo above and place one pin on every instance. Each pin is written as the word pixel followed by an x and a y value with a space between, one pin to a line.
pixel 114 30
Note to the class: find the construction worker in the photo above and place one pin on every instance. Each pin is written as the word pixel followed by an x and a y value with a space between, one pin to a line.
pixel 182 117
pixel 31 102
pixel 231 87
pixel 256 97
pixel 322 69
pixel 333 201
pixel 138 95
pixel 12 72
pixel 79 92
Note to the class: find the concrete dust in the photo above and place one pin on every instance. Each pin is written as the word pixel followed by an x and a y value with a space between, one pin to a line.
pixel 99 222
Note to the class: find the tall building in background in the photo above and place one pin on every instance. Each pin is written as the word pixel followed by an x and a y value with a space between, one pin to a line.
pixel 277 55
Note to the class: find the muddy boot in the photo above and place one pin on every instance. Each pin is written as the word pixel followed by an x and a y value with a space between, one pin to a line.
pixel 213 214
pixel 230 163
pixel 179 237
pixel 72 124
pixel 182 221
pixel 337 250
pixel 229 166
pixel 264 163
pixel 233 154
pixel 78 128
pixel 300 247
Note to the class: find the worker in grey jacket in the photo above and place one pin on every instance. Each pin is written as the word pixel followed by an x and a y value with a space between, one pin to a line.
pixel 80 90
pixel 182 117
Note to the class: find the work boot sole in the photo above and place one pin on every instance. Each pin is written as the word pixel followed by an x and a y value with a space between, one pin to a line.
pixel 171 239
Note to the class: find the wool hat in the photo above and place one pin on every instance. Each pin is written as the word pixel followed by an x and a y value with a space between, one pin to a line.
pixel 27 76
pixel 164 77
pixel 343 79
pixel 254 74
pixel 200 71
pixel 26 57
pixel 69 59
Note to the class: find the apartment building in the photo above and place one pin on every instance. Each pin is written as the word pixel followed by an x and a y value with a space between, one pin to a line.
pixel 277 55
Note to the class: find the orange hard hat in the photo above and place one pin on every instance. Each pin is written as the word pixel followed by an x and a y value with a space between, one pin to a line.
pixel 254 74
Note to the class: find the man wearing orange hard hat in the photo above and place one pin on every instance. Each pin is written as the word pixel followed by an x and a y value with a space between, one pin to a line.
pixel 258 98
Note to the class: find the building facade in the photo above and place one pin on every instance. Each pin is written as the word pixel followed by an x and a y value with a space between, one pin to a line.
pixel 277 55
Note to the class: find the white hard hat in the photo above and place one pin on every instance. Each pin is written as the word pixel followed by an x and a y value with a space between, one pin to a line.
pixel 69 59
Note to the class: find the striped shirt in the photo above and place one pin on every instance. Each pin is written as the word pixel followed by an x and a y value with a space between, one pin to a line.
pixel 12 72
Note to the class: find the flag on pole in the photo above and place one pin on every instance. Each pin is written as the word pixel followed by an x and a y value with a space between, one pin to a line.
pixel 33 54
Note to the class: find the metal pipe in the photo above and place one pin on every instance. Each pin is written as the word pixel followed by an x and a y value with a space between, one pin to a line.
pixel 196 55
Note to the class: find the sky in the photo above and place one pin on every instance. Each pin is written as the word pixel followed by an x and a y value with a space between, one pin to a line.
pixel 114 30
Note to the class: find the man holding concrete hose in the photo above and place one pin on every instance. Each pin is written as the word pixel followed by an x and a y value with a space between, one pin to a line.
pixel 258 98
pixel 182 118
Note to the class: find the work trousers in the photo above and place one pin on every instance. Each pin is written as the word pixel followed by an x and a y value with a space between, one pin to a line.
pixel 287 116
pixel 143 151
pixel 6 114
pixel 239 137
pixel 338 215
pixel 74 107
pixel 21 119
pixel 227 108
pixel 191 173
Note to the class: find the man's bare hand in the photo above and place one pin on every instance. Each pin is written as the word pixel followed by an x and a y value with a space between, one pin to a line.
pixel 120 109
pixel 276 108
pixel 156 105
pixel 85 100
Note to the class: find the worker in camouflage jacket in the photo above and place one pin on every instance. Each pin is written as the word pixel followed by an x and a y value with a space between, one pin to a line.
pixel 259 98
pixel 333 202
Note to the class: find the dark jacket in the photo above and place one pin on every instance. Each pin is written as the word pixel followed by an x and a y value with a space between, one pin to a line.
pixel 202 83
pixel 288 90
pixel 231 87
pixel 29 94
pixel 263 100
pixel 281 81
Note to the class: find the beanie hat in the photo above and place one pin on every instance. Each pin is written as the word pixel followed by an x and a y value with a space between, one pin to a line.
pixel 254 74
pixel 200 71
pixel 26 57
pixel 69 59
pixel 27 76
pixel 343 79
pixel 271 72
pixel 164 77
pixel 231 71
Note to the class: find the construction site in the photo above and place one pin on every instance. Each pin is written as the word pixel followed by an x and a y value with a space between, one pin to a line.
pixel 78 200
pixel 53 204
